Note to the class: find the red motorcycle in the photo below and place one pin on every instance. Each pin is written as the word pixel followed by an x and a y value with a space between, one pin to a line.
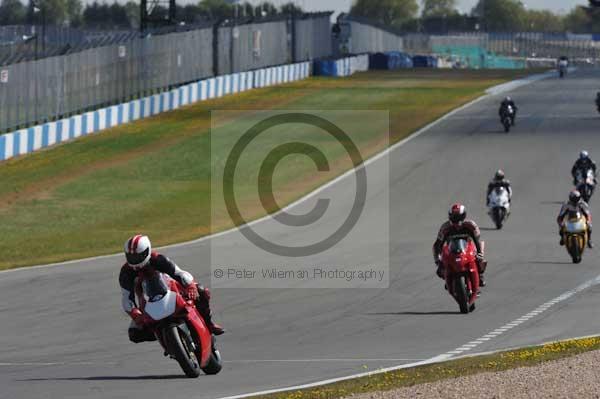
pixel 459 258
pixel 177 324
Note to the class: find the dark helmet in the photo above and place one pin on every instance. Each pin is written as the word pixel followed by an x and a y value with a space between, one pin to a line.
pixel 499 175
pixel 457 214
pixel 583 155
pixel 507 99
pixel 574 197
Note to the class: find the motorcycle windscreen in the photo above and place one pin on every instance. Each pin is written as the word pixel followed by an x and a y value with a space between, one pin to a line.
pixel 161 302
pixel 458 246
pixel 575 225
pixel 499 197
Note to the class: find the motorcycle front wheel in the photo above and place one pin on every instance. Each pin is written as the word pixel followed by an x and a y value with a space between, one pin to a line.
pixel 460 289
pixel 214 362
pixel 498 217
pixel 178 348
pixel 575 248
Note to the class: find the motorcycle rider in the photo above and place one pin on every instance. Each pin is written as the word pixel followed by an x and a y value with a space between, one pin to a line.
pixel 141 259
pixel 499 180
pixel 575 204
pixel 504 107
pixel 583 164
pixel 458 224
pixel 563 64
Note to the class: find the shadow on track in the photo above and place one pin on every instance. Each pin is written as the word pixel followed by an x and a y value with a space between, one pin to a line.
pixel 411 313
pixel 547 262
pixel 112 378
pixel 488 229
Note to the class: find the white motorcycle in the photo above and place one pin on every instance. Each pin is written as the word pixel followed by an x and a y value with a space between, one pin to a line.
pixel 586 183
pixel 499 206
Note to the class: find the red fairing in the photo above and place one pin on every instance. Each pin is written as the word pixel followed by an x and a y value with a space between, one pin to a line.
pixel 184 309
pixel 463 262
pixel 197 322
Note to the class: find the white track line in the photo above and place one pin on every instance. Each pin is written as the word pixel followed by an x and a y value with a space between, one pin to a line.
pixel 534 313
pixel 492 91
pixel 441 358
pixel 357 360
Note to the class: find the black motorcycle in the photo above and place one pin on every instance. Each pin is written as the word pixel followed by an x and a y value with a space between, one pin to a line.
pixel 508 118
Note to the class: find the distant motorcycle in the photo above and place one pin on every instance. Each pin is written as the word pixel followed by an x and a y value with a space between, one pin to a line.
pixel 575 235
pixel 508 118
pixel 177 324
pixel 562 71
pixel 598 102
pixel 499 206
pixel 563 65
pixel 459 258
pixel 585 184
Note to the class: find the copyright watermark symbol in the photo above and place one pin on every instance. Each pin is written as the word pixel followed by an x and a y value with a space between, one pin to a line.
pixel 263 162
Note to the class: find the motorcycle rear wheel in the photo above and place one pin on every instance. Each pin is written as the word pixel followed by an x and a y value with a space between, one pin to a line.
pixel 177 348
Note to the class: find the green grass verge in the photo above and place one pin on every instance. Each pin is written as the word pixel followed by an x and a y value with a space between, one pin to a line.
pixel 526 357
pixel 84 198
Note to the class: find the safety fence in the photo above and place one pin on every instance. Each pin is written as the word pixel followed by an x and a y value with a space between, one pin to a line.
pixel 35 138
pixel 369 38
pixel 49 89
pixel 505 50
pixel 354 35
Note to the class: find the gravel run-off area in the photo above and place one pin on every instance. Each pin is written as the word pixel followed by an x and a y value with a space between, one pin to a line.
pixel 573 377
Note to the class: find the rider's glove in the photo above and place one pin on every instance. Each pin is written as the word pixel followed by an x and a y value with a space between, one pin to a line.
pixel 192 291
pixel 440 270
pixel 137 316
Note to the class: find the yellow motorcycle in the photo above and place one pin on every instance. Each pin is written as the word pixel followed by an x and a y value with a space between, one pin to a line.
pixel 575 235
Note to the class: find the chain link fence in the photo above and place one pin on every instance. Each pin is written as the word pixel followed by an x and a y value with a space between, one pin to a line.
pixel 365 37
pixel 50 88
pixel 86 78
pixel 53 87
pixel 507 50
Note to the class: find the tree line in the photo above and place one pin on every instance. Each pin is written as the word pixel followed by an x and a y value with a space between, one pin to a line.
pixel 102 15
pixel 435 15
pixel 487 15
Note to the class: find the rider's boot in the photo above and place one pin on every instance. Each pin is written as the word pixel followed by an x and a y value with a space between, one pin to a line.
pixel 562 238
pixel 203 305
pixel 138 335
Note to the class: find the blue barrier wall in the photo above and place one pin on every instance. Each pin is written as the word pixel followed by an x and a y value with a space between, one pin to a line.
pixel 342 67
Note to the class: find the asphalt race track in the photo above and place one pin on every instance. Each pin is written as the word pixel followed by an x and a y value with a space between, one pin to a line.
pixel 63 335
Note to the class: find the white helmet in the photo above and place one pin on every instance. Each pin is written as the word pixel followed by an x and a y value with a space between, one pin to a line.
pixel 137 251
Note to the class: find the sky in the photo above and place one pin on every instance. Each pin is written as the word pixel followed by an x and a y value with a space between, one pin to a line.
pixel 562 6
